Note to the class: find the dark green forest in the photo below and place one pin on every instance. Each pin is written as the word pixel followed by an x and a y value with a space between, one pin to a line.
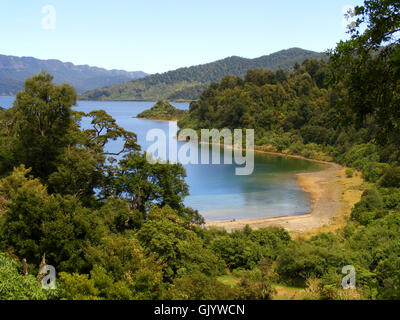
pixel 119 229
pixel 162 110
pixel 188 83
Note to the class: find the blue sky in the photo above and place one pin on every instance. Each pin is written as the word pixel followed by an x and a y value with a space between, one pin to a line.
pixel 157 36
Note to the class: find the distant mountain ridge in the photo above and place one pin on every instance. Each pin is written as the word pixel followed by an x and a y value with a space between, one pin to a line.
pixel 14 70
pixel 188 83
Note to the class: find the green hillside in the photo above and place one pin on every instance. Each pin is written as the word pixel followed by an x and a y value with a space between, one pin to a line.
pixel 188 83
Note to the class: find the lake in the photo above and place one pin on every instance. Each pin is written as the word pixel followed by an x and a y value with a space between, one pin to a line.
pixel 215 190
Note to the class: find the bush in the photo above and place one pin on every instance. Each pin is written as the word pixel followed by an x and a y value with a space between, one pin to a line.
pixel 297 147
pixel 391 178
pixel 281 143
pixel 300 261
pixel 270 240
pixel 237 252
pixel 255 285
pixel 365 218
pixel 374 170
pixel 349 173
pixel 198 286
pixel 391 198
pixel 14 285
pixel 369 208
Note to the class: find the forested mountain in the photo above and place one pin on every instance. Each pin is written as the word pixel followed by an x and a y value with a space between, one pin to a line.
pixel 14 71
pixel 188 83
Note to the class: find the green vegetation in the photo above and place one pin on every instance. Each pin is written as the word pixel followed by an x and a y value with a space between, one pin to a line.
pixel 349 173
pixel 368 67
pixel 294 113
pixel 188 83
pixel 118 229
pixel 112 229
pixel 162 110
pixel 346 111
pixel 14 285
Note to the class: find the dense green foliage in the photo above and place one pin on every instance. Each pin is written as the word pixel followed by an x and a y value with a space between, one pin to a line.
pixel 162 110
pixel 15 286
pixel 188 83
pixel 112 229
pixel 346 111
pixel 294 113
pixel 118 229
pixel 14 71
pixel 368 66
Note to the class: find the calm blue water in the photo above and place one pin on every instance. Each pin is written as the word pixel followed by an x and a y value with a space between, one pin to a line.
pixel 215 190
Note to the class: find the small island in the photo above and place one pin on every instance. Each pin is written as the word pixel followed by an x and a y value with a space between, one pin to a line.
pixel 162 110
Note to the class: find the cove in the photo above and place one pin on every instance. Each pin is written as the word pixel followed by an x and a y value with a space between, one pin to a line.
pixel 215 190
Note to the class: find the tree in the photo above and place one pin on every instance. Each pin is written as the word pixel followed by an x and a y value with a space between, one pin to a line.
pixel 41 120
pixel 125 261
pixel 391 178
pixel 105 129
pixel 21 222
pixel 8 142
pixel 256 284
pixel 237 252
pixel 35 222
pixel 145 184
pixel 198 286
pixel 79 171
pixel 368 66
pixel 182 251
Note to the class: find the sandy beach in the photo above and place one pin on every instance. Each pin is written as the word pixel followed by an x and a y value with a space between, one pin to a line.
pixel 333 195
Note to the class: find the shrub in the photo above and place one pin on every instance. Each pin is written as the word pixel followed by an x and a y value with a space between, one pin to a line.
pixel 281 143
pixel 14 285
pixel 270 240
pixel 254 285
pixel 364 211
pixel 391 198
pixel 374 170
pixel 198 286
pixel 237 252
pixel 300 261
pixel 296 147
pixel 366 217
pixel 391 178
pixel 349 173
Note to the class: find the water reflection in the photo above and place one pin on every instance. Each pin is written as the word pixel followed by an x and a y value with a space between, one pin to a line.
pixel 215 189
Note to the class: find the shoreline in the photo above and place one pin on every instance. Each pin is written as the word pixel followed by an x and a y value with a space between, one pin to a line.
pixel 154 119
pixel 326 191
pixel 277 154
pixel 329 204
pixel 128 100
pixel 332 197
pixel 294 156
